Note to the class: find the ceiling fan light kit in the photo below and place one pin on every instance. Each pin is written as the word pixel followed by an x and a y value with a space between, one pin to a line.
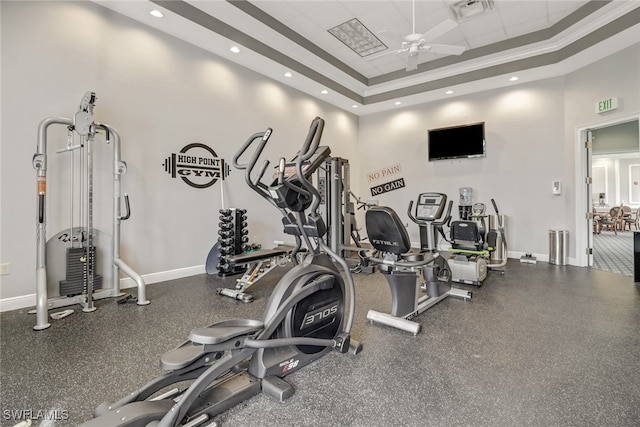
pixel 414 43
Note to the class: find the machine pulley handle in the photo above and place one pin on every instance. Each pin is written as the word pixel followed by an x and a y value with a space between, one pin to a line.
pixel 127 208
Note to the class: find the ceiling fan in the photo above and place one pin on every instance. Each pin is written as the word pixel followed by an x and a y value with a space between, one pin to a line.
pixel 415 43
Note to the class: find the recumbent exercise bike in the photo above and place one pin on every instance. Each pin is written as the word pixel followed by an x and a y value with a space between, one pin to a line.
pixel 306 316
pixel 406 271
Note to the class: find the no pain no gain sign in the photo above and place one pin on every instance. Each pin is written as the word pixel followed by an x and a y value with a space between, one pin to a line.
pixel 197 165
pixel 389 186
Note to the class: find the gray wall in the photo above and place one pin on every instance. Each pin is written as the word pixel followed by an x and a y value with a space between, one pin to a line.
pixel 160 94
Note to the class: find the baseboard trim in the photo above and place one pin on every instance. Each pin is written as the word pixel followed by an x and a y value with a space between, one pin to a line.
pixel 24 301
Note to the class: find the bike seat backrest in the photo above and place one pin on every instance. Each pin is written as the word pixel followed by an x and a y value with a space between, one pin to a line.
pixel 466 235
pixel 386 232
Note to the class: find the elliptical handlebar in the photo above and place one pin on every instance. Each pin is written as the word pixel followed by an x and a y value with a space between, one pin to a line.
pixel 286 183
pixel 248 167
pixel 254 158
pixel 310 146
pixel 312 142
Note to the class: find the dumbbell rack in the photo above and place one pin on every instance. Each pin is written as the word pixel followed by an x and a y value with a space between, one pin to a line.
pixel 232 237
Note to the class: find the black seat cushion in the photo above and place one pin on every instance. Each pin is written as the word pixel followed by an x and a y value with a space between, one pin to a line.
pixel 386 232
pixel 466 235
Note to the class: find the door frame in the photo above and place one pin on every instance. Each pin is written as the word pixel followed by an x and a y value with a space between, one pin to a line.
pixel 583 203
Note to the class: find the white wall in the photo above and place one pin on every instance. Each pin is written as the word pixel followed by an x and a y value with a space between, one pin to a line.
pixel 616 75
pixel 160 94
pixel 523 130
pixel 531 141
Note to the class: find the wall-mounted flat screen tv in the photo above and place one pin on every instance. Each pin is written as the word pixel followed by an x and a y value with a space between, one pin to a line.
pixel 456 142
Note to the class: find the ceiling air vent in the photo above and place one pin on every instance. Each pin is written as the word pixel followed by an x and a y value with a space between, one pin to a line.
pixel 358 37
pixel 469 9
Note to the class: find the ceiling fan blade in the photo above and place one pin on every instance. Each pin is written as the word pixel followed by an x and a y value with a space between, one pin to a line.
pixel 445 48
pixel 440 29
pixel 412 62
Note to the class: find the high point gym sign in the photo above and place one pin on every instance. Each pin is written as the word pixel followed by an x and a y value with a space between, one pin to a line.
pixel 385 173
pixel 197 165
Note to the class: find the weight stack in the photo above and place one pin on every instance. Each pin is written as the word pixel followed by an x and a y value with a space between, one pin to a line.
pixel 232 238
pixel 75 282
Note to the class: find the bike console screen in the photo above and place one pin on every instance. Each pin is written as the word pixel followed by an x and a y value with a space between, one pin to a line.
pixel 430 206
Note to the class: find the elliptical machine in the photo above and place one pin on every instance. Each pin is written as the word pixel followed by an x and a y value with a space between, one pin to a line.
pixel 232 360
pixel 406 271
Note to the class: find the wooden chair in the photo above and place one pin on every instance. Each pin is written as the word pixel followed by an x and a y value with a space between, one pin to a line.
pixel 632 219
pixel 597 222
pixel 612 221
pixel 626 212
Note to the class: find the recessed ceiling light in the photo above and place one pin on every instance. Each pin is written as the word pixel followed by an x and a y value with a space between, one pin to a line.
pixel 354 106
pixel 235 49
pixel 449 92
pixel 397 103
pixel 513 79
pixel 324 91
pixel 156 13
pixel 288 74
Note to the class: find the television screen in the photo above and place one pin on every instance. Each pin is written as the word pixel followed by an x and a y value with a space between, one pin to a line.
pixel 456 142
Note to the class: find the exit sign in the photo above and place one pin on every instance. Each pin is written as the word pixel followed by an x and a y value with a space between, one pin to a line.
pixel 607 104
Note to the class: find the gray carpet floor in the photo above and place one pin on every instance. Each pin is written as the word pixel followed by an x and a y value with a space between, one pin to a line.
pixel 613 252
pixel 540 345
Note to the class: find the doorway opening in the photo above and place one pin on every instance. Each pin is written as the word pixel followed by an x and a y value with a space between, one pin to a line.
pixel 611 194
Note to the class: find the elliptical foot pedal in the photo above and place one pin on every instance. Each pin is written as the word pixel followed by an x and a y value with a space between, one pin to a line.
pixel 277 388
pixel 355 347
pixel 235 294
pixel 225 330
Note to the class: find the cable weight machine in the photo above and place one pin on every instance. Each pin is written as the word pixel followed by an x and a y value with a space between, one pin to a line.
pixel 82 280
pixel 338 210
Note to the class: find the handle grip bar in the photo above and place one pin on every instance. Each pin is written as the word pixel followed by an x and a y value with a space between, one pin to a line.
pixel 310 146
pixel 447 215
pixel 403 263
pixel 286 183
pixel 411 217
pixel 312 141
pixel 495 207
pixel 248 167
pixel 127 208
pixel 263 169
pixel 254 158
